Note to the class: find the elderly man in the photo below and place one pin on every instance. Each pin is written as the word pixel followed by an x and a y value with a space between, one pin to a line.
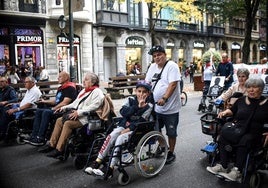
pixel 31 96
pixel 226 69
pixel 165 77
pixel 66 94
pixel 7 95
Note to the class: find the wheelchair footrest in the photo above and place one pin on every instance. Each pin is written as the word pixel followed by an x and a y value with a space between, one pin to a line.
pixel 210 148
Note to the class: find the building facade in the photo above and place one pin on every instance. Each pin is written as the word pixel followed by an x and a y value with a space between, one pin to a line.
pixel 109 35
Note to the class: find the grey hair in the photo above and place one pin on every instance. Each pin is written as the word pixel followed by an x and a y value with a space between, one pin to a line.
pixel 255 82
pixel 244 71
pixel 32 79
pixel 94 78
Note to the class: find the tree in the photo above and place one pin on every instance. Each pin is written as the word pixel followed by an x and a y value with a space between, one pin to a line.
pixel 230 9
pixel 182 10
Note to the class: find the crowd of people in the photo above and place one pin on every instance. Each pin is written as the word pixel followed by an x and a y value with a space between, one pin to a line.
pixel 157 97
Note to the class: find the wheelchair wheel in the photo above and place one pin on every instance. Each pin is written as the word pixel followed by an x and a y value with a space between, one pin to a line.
pixel 123 179
pixel 79 161
pixel 255 180
pixel 20 140
pixel 150 154
pixel 183 98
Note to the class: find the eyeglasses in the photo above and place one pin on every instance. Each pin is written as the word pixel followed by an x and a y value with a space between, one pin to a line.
pixel 27 82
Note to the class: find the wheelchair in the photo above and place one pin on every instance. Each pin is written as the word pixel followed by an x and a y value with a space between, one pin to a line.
pixel 146 149
pixel 83 138
pixel 21 127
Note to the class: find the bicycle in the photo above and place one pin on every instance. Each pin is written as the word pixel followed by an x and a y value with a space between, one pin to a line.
pixel 184 98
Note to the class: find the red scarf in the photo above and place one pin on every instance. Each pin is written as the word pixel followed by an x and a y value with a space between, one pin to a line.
pixel 67 84
pixel 207 65
pixel 87 90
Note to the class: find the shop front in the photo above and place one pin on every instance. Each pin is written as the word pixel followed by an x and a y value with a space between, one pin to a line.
pixel 63 56
pixel 133 58
pixel 236 51
pixel 198 50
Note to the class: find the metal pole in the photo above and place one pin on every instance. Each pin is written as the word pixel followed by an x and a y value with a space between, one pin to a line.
pixel 266 48
pixel 71 41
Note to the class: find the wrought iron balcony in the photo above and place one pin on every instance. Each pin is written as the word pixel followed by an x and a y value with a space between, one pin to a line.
pixel 215 31
pixel 112 18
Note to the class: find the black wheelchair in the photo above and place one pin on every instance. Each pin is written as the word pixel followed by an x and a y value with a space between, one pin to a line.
pixel 146 149
pixel 84 137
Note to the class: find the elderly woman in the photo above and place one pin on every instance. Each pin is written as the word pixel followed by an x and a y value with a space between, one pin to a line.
pixel 242 75
pixel 89 99
pixel 242 112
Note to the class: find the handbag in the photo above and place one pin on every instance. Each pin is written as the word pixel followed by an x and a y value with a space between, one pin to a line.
pixel 68 111
pixel 232 132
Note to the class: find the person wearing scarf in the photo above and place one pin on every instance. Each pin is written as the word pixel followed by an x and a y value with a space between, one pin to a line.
pixel 89 99
pixel 66 93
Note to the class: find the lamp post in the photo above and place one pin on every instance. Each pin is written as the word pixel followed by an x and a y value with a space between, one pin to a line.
pixel 62 24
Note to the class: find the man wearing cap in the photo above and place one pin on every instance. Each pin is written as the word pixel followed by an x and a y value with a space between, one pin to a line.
pixel 165 77
pixel 136 109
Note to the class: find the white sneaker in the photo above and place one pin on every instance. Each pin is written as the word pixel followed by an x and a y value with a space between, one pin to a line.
pixel 233 175
pixel 216 169
pixel 94 165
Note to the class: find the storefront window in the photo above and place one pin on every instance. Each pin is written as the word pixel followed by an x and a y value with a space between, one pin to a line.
pixel 133 57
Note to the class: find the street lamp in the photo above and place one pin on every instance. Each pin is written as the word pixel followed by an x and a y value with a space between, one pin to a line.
pixel 62 24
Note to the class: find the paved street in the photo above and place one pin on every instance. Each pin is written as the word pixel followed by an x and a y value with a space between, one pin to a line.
pixel 23 167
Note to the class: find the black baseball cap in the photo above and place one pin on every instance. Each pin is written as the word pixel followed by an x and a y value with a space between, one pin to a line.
pixel 156 49
pixel 145 84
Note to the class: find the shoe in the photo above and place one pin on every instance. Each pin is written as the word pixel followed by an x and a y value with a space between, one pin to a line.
pixel 29 140
pixel 160 151
pixel 216 169
pixel 55 154
pixel 45 149
pixel 170 157
pixel 37 142
pixel 94 165
pixel 104 172
pixel 233 175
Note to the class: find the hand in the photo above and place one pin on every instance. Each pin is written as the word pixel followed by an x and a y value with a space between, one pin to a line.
pixel 161 102
pixel 73 115
pixel 141 100
pixel 266 139
pixel 125 131
pixel 222 114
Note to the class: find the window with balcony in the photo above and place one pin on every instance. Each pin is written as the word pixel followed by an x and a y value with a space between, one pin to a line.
pixel 134 13
pixel 28 6
pixel 114 5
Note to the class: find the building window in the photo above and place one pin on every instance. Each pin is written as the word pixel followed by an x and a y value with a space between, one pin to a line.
pixel 58 2
pixel 28 6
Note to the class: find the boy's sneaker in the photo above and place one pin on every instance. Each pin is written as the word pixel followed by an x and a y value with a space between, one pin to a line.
pixel 104 172
pixel 216 169
pixel 37 142
pixel 94 165
pixel 170 157
pixel 29 140
pixel 233 175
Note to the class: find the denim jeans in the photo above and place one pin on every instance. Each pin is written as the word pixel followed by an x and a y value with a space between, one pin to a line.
pixel 41 122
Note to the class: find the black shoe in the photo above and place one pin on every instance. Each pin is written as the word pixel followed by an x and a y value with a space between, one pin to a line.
pixel 37 142
pixel 55 154
pixel 170 157
pixel 45 149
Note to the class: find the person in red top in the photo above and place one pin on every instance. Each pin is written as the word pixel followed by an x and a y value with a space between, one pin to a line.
pixel 66 94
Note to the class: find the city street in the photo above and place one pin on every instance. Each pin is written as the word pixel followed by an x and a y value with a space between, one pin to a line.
pixel 23 167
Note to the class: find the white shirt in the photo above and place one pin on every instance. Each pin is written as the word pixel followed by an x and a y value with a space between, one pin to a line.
pixel 31 96
pixel 170 74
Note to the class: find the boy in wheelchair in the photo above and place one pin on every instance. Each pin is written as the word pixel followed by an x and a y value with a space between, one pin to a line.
pixel 250 113
pixel 136 109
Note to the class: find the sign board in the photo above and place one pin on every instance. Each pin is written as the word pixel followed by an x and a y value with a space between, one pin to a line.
pixel 76 5
pixel 135 41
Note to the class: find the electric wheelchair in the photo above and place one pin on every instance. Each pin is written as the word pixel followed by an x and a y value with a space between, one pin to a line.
pixel 146 149
pixel 21 127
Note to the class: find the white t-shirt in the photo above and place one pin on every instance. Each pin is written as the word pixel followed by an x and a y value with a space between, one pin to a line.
pixel 31 96
pixel 170 74
pixel 208 72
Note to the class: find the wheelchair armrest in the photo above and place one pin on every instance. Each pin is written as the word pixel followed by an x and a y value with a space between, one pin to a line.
pixel 29 111
pixel 145 126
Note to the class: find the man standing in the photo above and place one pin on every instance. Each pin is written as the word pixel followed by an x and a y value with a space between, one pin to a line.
pixel 66 94
pixel 226 69
pixel 165 77
pixel 7 95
